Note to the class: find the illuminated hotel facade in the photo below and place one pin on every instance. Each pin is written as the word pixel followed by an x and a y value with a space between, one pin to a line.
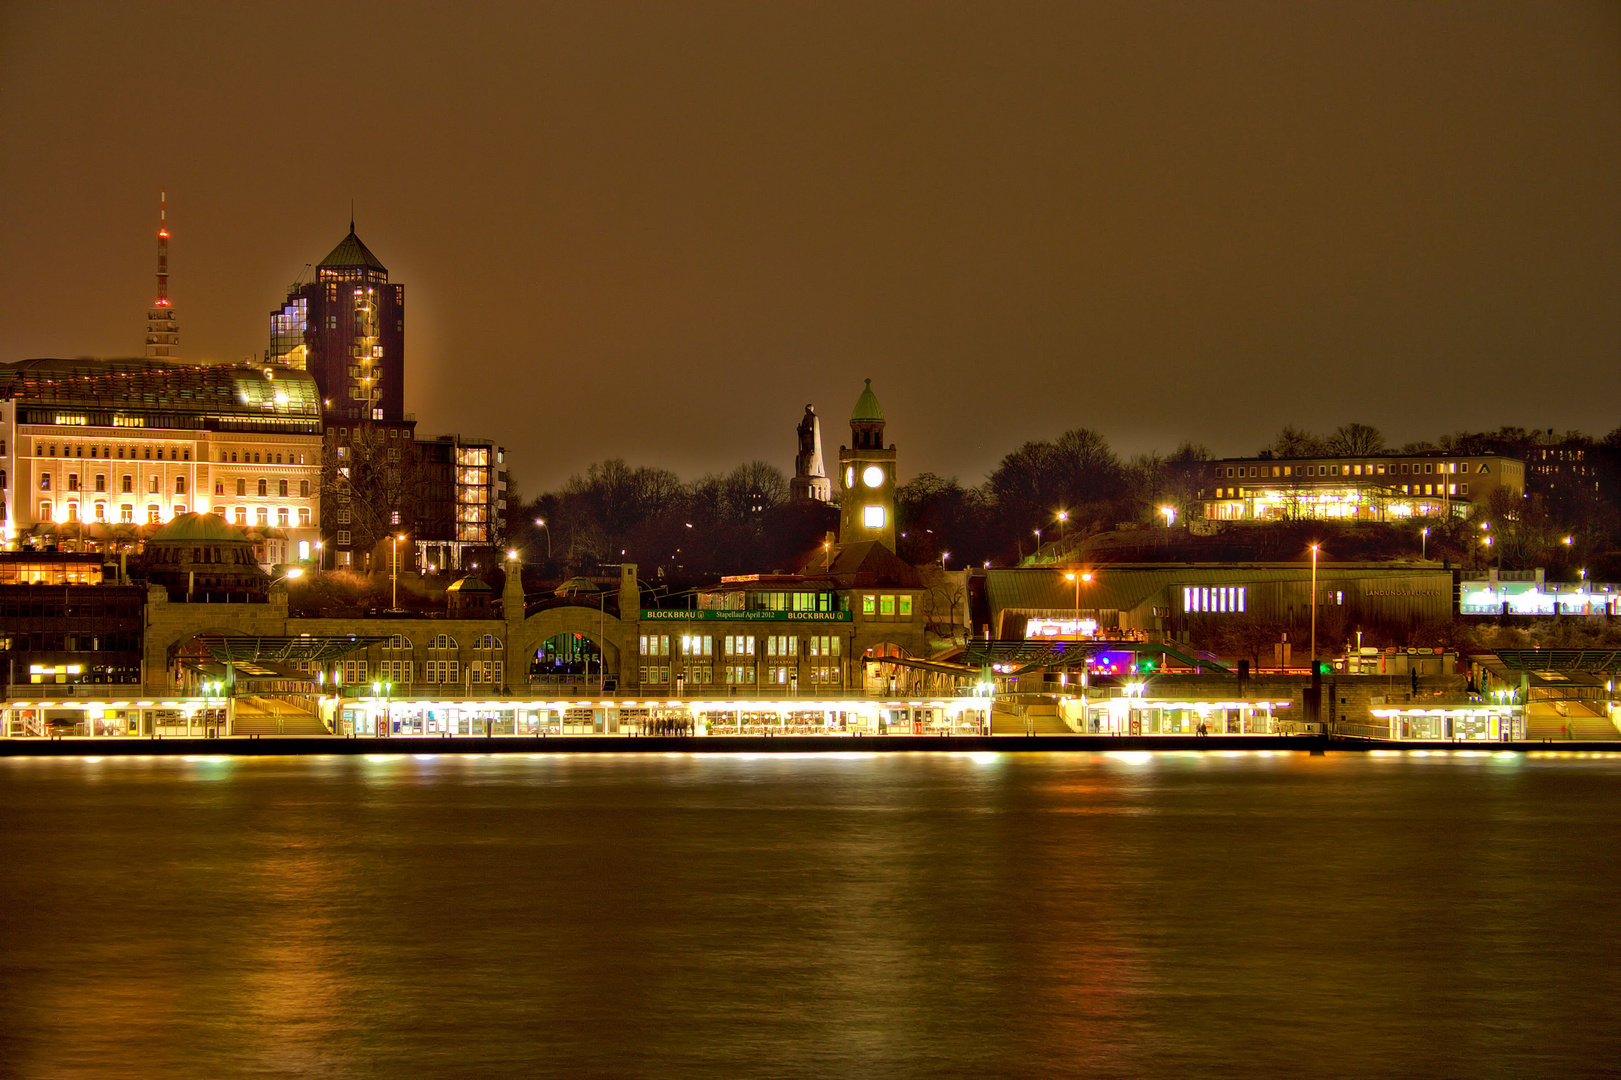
pixel 1375 487
pixel 95 453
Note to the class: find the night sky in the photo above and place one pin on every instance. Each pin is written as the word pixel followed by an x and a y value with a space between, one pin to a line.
pixel 657 230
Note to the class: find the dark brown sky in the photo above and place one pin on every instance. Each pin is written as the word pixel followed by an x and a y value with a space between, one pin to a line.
pixel 658 230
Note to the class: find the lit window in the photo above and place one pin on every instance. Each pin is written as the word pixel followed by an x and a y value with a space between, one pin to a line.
pixel 873 517
pixel 869 604
pixel 886 605
pixel 905 605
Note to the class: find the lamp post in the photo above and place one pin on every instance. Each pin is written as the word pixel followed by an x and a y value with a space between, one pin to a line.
pixel 542 523
pixel 394 599
pixel 1424 542
pixel 1063 516
pixel 1170 515
pixel 1314 550
pixel 1077 578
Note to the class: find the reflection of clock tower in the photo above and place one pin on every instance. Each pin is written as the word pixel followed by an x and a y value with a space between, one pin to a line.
pixel 867 470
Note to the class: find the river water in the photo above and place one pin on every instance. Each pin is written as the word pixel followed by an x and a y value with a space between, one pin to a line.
pixel 851 915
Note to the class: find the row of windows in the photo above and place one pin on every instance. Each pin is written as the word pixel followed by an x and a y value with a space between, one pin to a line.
pixel 126 483
pixel 176 453
pixel 256 458
pixel 1360 469
pixel 261 515
pixel 440 642
pixel 126 512
pixel 885 604
pixel 1197 599
pixel 434 672
pixel 283 488
pixel 739 675
pixel 1406 489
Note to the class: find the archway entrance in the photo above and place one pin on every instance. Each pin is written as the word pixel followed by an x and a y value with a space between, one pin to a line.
pixel 568 661
pixel 885 679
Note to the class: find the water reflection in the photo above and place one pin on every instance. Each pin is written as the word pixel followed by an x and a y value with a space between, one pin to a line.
pixel 848 915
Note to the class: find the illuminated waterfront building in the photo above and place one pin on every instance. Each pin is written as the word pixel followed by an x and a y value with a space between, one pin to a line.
pixel 97 453
pixel 462 493
pixel 347 328
pixel 1375 487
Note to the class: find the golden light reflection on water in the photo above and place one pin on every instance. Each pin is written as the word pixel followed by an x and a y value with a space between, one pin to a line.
pixel 861 914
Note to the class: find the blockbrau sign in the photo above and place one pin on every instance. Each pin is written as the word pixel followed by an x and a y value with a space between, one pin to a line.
pixel 708 615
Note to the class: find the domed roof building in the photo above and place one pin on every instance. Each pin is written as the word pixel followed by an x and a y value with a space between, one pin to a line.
pixel 469 598
pixel 205 559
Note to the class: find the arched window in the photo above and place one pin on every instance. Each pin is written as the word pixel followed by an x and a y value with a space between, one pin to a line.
pixel 180 485
pixel 281 488
pixel 303 488
pixel 264 487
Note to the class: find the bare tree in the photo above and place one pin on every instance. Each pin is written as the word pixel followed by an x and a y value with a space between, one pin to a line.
pixel 1293 442
pixel 369 485
pixel 1353 440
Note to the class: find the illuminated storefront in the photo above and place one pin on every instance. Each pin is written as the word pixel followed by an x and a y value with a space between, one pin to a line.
pixel 1536 598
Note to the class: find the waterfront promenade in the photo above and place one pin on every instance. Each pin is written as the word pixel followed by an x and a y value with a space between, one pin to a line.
pixel 272 745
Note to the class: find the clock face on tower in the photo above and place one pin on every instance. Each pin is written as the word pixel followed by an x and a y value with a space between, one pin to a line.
pixel 872 475
pixel 850 477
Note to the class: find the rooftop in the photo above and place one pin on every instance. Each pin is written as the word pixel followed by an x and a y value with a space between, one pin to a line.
pixel 867 407
pixel 351 253
pixel 97 389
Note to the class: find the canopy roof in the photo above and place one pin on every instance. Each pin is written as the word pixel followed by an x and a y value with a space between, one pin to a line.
pixel 248 648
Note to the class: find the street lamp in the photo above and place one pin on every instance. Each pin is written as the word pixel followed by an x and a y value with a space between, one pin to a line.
pixel 1314 550
pixel 944 555
pixel 1063 516
pixel 1077 579
pixel 1424 542
pixel 394 605
pixel 1170 515
pixel 542 523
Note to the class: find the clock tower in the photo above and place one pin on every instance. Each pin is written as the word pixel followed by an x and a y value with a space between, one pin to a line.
pixel 867 473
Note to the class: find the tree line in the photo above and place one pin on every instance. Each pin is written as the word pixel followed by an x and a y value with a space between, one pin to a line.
pixel 1069 488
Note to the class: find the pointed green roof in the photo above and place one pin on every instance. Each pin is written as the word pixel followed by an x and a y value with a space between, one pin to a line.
pixel 867 407
pixel 350 252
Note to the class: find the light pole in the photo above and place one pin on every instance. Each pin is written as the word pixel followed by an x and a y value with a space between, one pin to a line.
pixel 1077 579
pixel 394 604
pixel 1314 549
pixel 542 523
pixel 1063 516
pixel 1424 542
pixel 1170 515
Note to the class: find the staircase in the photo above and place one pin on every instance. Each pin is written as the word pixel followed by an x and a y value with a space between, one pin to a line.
pixel 1037 719
pixel 1583 724
pixel 271 716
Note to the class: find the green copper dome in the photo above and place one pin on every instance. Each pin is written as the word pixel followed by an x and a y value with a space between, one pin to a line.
pixel 867 407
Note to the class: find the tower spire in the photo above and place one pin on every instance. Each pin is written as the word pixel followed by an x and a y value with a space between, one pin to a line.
pixel 163 248
pixel 162 331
